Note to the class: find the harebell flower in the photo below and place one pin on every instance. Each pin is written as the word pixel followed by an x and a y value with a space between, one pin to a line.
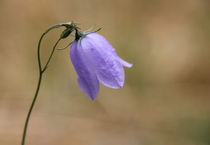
pixel 93 57
pixel 96 61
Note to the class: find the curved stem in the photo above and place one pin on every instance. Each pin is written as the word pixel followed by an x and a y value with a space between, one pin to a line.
pixel 39 43
pixel 30 109
pixel 52 52
pixel 41 72
pixel 65 46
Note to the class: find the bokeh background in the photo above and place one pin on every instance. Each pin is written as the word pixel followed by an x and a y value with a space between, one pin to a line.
pixel 166 98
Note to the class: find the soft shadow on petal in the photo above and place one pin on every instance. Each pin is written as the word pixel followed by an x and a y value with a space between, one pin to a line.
pixel 109 70
pixel 112 75
pixel 87 79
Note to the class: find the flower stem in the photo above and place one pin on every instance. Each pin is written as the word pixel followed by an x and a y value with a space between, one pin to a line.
pixel 52 52
pixel 41 72
pixel 30 109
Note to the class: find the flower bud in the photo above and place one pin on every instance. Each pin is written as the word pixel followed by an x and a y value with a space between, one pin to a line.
pixel 67 32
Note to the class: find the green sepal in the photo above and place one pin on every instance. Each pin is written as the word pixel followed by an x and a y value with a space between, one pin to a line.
pixel 66 32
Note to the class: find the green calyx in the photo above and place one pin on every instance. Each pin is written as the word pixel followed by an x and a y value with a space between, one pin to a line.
pixel 79 35
pixel 70 27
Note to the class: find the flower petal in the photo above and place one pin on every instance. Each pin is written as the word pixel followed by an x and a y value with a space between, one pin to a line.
pixel 110 73
pixel 101 42
pixel 109 69
pixel 87 79
pixel 125 63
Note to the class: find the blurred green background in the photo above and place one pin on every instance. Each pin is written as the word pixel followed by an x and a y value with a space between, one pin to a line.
pixel 166 98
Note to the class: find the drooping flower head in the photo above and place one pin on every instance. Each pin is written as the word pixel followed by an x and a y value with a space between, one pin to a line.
pixel 96 61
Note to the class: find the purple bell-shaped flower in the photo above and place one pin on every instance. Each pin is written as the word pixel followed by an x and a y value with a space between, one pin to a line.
pixel 96 61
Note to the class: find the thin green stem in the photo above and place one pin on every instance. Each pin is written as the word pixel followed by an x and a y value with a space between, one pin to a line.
pixel 40 41
pixel 52 52
pixel 41 72
pixel 30 109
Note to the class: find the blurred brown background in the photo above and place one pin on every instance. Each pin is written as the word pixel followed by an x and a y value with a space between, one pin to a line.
pixel 166 98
